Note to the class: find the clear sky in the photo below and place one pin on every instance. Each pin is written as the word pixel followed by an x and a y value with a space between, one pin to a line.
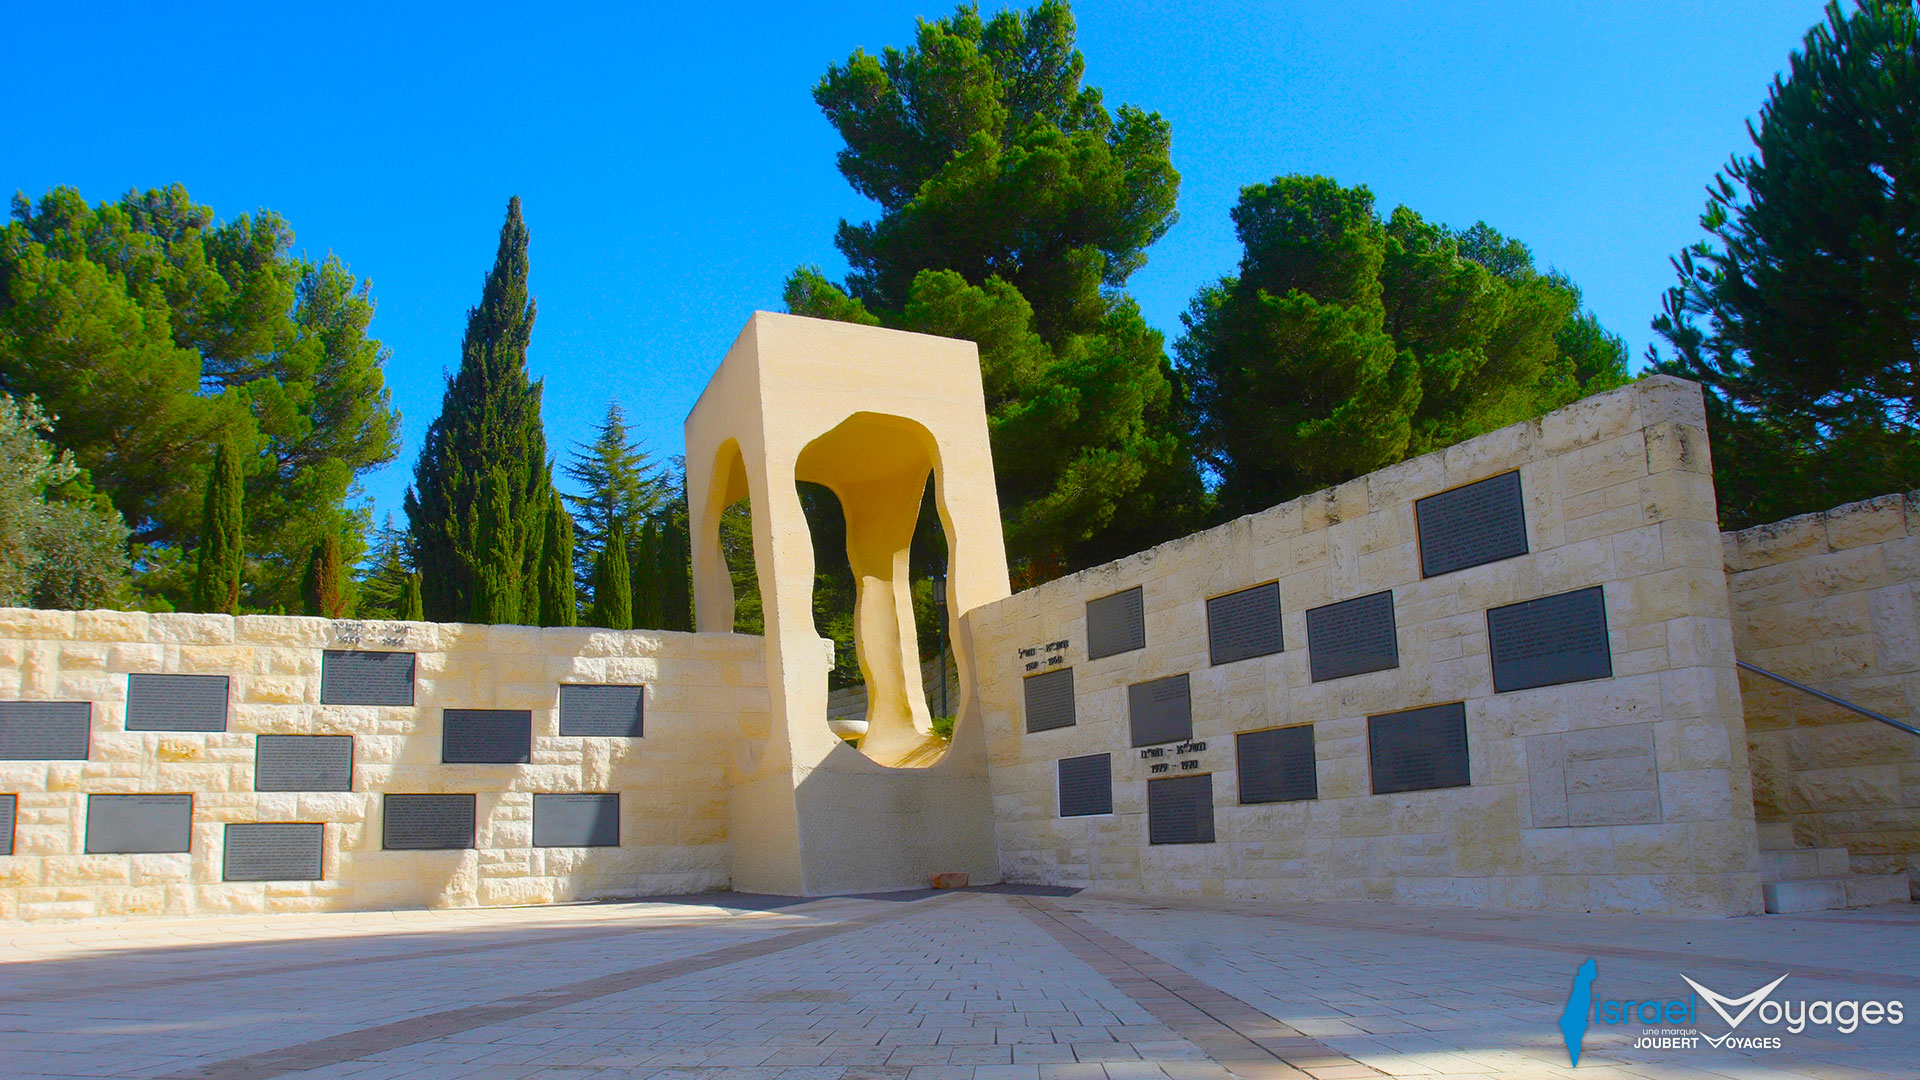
pixel 674 167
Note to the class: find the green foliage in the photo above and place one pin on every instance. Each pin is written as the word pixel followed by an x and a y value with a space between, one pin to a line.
pixel 1801 313
pixel 618 484
pixel 62 545
pixel 613 583
pixel 221 558
pixel 1346 343
pixel 383 585
pixel 411 608
pixel 1014 206
pixel 557 604
pixel 478 507
pixel 736 547
pixel 320 589
pixel 153 332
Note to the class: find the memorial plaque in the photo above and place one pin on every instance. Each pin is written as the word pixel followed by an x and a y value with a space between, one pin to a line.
pixel 486 736
pixel 1277 765
pixel 1160 711
pixel 1180 810
pixel 272 851
pixel 134 824
pixel 303 763
pixel 1116 624
pixel 1419 749
pixel 1245 624
pixel 571 820
pixel 45 730
pixel 352 677
pixel 1352 637
pixel 1555 639
pixel 176 703
pixel 1470 525
pixel 612 712
pixel 1086 785
pixel 8 804
pixel 426 822
pixel 1049 700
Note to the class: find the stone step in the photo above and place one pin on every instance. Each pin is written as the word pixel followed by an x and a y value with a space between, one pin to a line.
pixel 1776 836
pixel 1820 894
pixel 1804 864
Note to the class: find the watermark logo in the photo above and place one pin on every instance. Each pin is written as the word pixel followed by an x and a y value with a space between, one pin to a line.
pixel 1672 1023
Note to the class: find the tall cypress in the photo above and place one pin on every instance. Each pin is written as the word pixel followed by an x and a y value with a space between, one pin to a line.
pixel 612 583
pixel 482 486
pixel 647 569
pixel 557 604
pixel 410 609
pixel 322 586
pixel 216 581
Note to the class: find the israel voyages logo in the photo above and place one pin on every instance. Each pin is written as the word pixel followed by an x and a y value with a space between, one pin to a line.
pixel 1669 1023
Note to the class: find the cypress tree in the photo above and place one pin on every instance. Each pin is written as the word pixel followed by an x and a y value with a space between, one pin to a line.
pixel 322 586
pixel 410 599
pixel 482 485
pixel 676 567
pixel 216 583
pixel 647 572
pixel 557 604
pixel 612 583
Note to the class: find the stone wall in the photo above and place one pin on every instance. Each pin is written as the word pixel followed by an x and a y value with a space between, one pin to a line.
pixel 1833 600
pixel 700 690
pixel 1624 793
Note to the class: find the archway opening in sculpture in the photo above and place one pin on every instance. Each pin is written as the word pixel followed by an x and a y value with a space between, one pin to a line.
pixel 728 532
pixel 881 473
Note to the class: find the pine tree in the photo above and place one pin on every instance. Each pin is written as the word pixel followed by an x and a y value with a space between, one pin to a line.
pixel 619 484
pixel 384 582
pixel 612 583
pixel 557 604
pixel 216 584
pixel 482 485
pixel 322 586
pixel 410 609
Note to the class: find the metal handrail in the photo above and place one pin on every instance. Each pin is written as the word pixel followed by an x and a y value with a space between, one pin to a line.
pixel 1823 696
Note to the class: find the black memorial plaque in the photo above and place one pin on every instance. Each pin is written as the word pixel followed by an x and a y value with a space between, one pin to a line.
pixel 1086 785
pixel 1277 765
pixel 353 677
pixel 45 730
pixel 1555 639
pixel 1352 637
pixel 1419 749
pixel 272 851
pixel 1245 624
pixel 176 703
pixel 1479 523
pixel 486 736
pixel 303 763
pixel 1160 711
pixel 136 824
pixel 1180 810
pixel 426 822
pixel 1049 700
pixel 8 804
pixel 611 712
pixel 1116 624
pixel 576 820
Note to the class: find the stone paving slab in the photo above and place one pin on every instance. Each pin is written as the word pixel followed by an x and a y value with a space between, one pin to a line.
pixel 968 986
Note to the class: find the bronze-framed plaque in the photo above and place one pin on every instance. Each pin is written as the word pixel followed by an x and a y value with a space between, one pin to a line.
pixel 1086 785
pixel 1180 809
pixel 1245 624
pixel 1419 749
pixel 1471 525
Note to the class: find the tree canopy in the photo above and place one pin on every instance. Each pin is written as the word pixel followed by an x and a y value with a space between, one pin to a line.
pixel 1801 310
pixel 1346 343
pixel 1014 206
pixel 152 333
pixel 61 544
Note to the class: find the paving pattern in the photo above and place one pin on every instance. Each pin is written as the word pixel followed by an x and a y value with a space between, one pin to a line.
pixel 960 986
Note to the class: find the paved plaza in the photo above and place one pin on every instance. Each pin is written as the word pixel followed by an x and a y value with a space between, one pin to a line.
pixel 974 985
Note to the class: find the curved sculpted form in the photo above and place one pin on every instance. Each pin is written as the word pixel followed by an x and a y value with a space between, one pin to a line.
pixel 870 414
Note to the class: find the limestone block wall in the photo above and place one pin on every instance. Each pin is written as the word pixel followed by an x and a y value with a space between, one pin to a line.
pixel 672 781
pixel 1833 600
pixel 1628 792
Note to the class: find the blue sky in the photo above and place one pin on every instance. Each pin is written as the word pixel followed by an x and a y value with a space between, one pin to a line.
pixel 674 167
